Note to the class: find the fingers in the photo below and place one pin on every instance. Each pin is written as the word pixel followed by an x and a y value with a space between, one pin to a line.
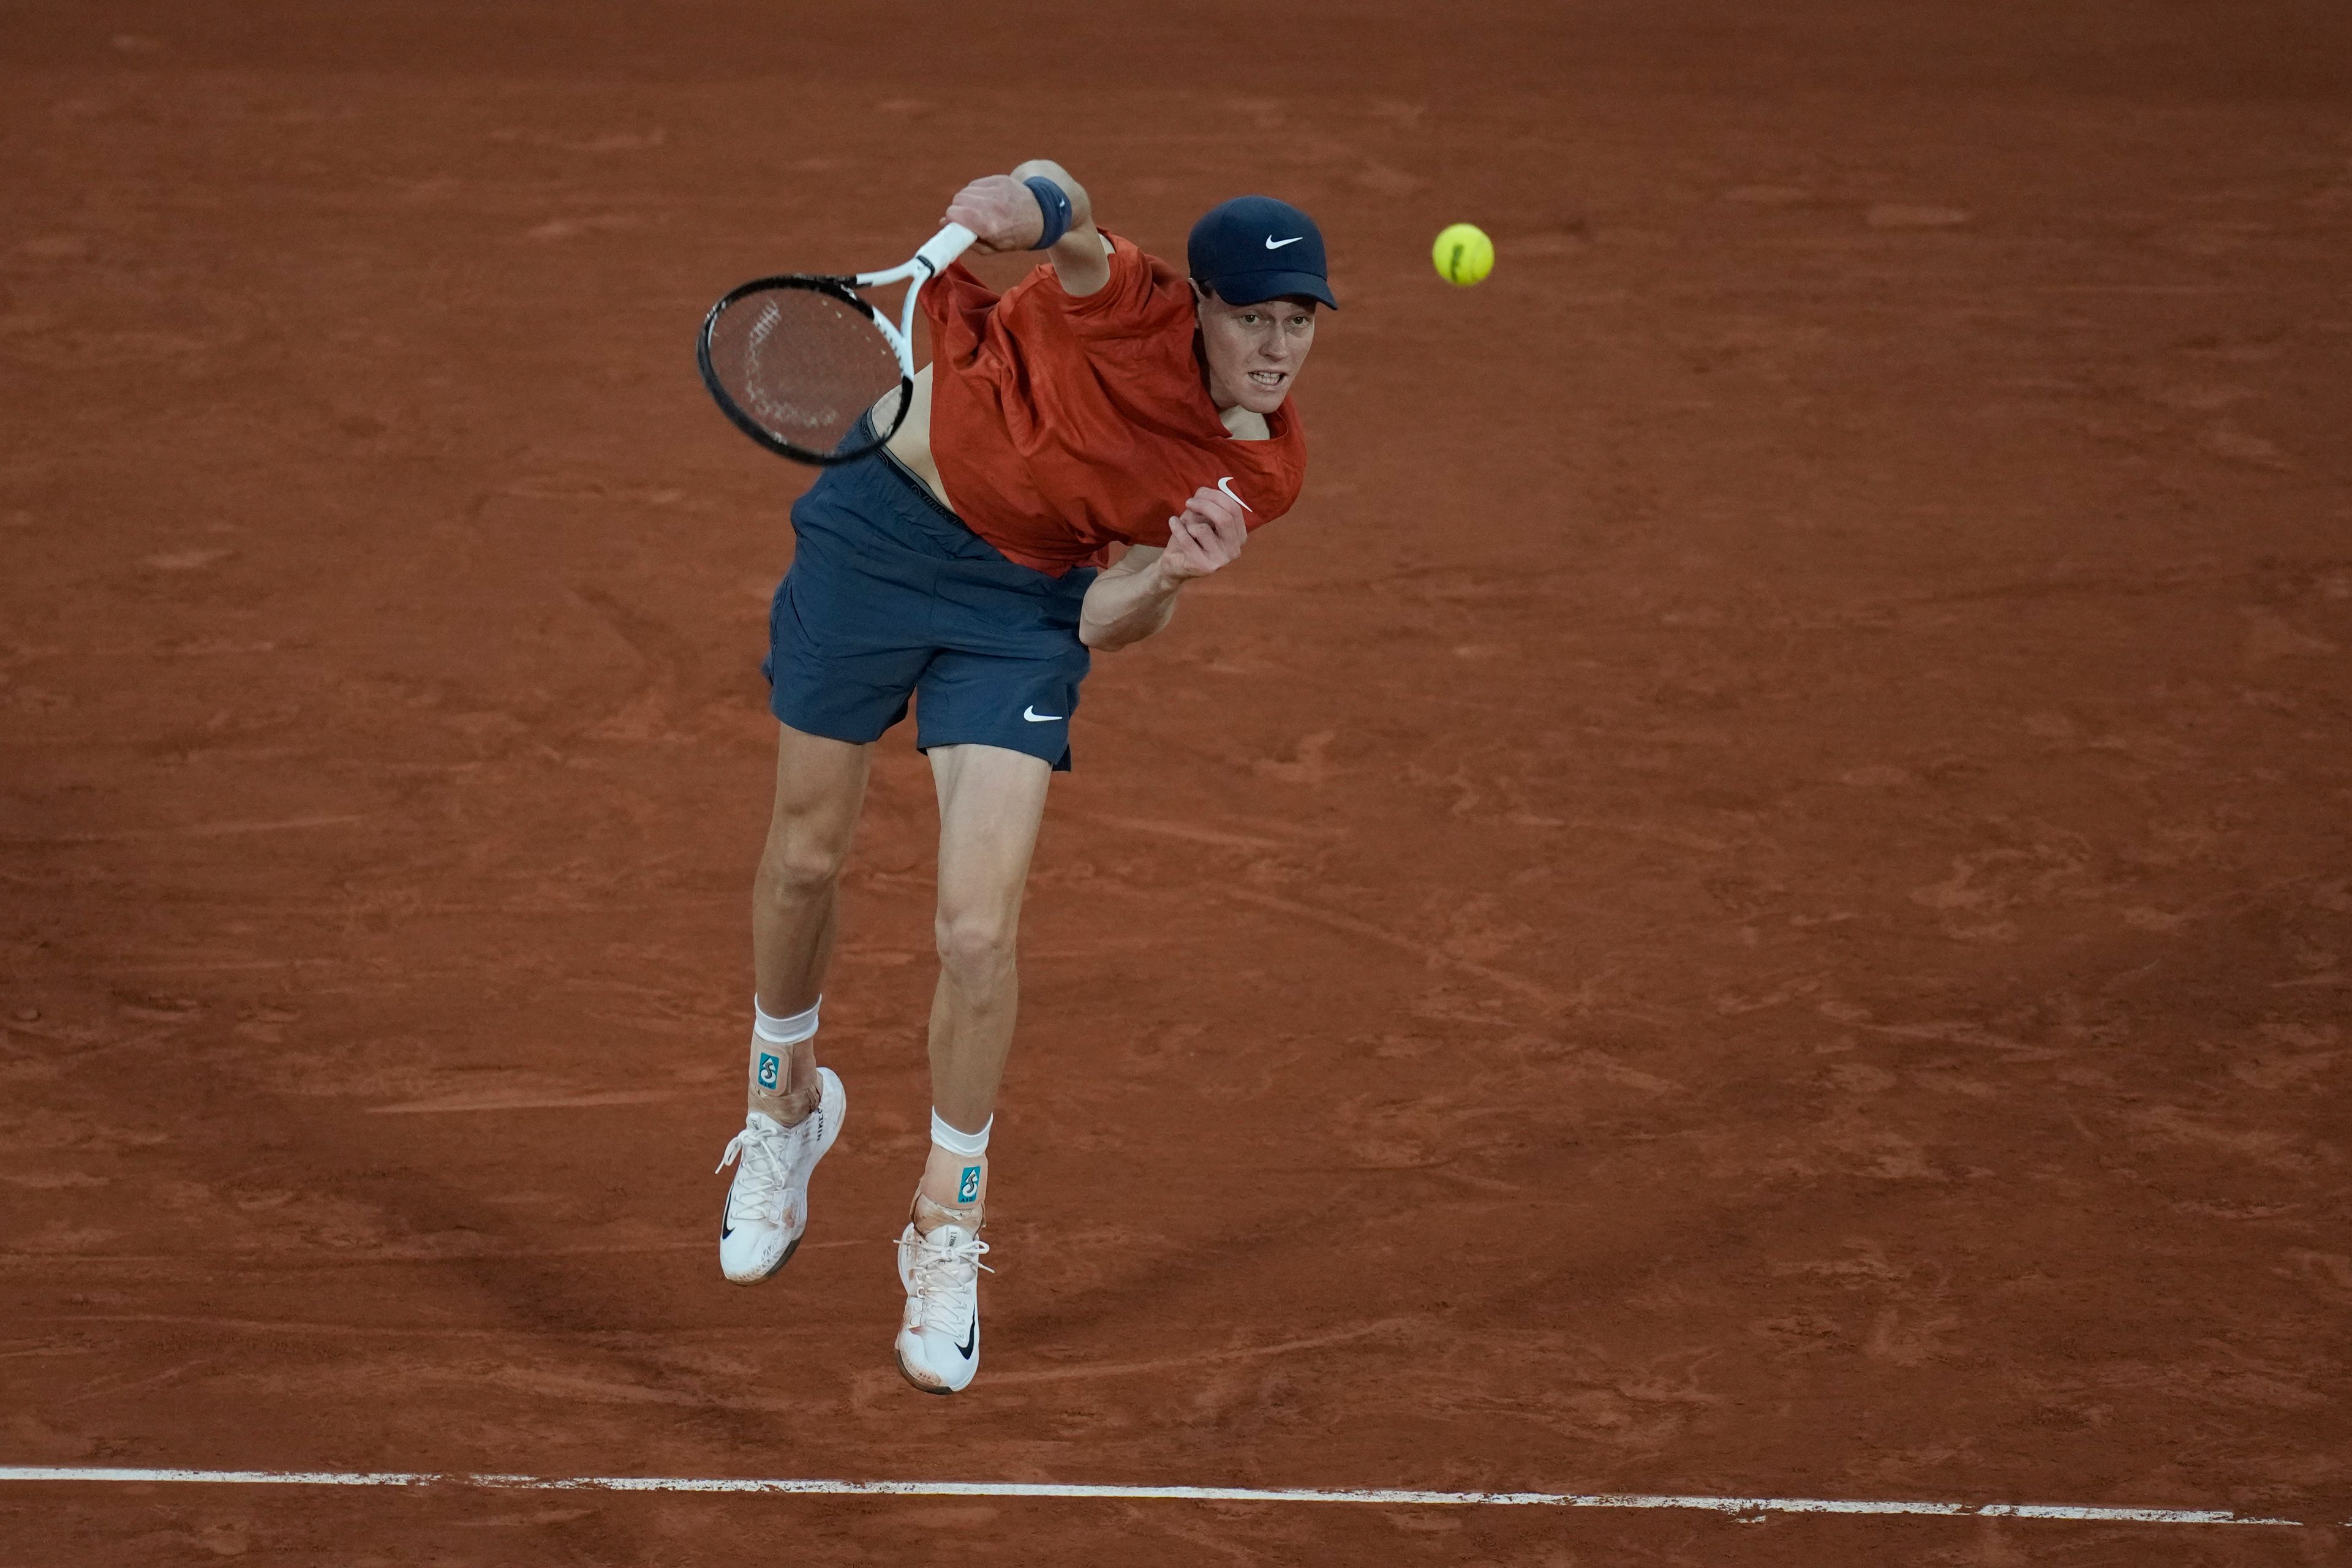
pixel 1224 518
pixel 1224 514
pixel 1001 211
pixel 1208 534
pixel 1184 558
pixel 1233 527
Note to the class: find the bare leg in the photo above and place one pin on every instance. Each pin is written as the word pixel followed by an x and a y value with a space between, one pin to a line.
pixel 991 802
pixel 820 786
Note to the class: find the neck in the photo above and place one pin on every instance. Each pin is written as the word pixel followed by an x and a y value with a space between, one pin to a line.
pixel 1239 422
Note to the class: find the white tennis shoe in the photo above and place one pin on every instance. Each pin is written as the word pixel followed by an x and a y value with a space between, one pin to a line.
pixel 767 1204
pixel 938 1341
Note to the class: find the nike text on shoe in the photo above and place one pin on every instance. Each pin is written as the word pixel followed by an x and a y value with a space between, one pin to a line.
pixel 939 1343
pixel 767 1204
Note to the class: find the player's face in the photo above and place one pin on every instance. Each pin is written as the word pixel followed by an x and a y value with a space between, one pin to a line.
pixel 1255 352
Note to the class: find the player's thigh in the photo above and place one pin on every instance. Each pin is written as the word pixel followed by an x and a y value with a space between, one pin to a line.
pixel 819 789
pixel 990 803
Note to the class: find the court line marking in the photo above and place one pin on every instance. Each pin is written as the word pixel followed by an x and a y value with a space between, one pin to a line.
pixel 1743 1508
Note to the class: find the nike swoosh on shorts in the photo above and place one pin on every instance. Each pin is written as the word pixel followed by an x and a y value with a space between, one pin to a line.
pixel 1034 717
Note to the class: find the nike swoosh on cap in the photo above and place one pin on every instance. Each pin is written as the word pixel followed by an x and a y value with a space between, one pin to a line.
pixel 1034 717
pixel 1273 244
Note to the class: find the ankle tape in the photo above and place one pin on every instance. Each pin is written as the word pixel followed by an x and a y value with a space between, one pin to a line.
pixel 970 1216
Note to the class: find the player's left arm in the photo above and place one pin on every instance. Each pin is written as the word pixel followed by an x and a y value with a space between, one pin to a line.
pixel 1135 598
pixel 1004 213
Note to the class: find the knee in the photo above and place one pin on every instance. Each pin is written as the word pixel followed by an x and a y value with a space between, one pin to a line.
pixel 799 866
pixel 976 947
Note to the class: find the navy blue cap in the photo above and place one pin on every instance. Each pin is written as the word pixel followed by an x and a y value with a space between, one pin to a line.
pixel 1254 247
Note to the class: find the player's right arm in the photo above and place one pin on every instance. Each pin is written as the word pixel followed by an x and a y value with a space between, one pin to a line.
pixel 1003 212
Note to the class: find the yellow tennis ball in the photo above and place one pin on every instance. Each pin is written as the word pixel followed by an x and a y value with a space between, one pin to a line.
pixel 1464 254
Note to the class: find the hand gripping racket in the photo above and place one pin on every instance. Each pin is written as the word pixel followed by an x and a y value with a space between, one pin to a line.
pixel 794 361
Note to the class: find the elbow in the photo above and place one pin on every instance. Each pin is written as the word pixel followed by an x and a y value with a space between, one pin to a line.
pixel 1045 166
pixel 1081 209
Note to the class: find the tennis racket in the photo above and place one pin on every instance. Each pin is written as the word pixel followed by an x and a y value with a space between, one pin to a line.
pixel 794 361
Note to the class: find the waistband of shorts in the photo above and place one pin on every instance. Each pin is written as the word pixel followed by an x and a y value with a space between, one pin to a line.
pixel 923 492
pixel 887 481
pixel 917 490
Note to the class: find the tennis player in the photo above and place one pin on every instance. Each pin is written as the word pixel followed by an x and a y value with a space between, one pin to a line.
pixel 1104 401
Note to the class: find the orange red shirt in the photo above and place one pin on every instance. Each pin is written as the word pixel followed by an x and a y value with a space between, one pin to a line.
pixel 1062 424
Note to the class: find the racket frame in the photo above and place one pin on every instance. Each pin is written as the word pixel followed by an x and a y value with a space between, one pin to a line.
pixel 927 263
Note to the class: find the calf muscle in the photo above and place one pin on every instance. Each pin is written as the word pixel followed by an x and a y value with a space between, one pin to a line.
pixel 991 802
pixel 820 786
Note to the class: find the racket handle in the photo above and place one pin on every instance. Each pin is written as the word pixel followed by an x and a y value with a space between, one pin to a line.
pixel 945 247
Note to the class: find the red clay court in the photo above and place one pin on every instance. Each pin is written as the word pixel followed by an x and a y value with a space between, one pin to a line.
pixel 1751 899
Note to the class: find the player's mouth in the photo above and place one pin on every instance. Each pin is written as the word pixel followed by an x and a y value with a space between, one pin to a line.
pixel 1269 379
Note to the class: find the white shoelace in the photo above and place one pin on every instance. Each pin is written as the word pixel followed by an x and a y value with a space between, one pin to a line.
pixel 758 1192
pixel 945 1274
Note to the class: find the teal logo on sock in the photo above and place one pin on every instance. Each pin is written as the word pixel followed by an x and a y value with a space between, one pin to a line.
pixel 771 1069
pixel 967 1189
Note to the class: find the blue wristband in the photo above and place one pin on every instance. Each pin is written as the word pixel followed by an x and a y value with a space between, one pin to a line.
pixel 1054 202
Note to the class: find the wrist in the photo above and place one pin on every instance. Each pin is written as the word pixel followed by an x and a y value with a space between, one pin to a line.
pixel 1054 209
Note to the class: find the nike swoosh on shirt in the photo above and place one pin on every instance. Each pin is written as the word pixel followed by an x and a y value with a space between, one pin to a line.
pixel 1226 485
pixel 1273 244
pixel 1034 717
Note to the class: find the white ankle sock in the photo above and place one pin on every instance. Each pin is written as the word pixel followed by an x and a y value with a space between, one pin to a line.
pixel 790 1030
pixel 955 1141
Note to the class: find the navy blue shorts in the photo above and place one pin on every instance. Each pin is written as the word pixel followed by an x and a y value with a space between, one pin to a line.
pixel 890 595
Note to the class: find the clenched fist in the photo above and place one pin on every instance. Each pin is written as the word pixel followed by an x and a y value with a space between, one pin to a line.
pixel 1206 535
pixel 1001 211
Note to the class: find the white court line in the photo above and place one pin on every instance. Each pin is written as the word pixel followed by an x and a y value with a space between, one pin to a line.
pixel 1737 1507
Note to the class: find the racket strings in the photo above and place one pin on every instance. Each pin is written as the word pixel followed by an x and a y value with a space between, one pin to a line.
pixel 803 364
